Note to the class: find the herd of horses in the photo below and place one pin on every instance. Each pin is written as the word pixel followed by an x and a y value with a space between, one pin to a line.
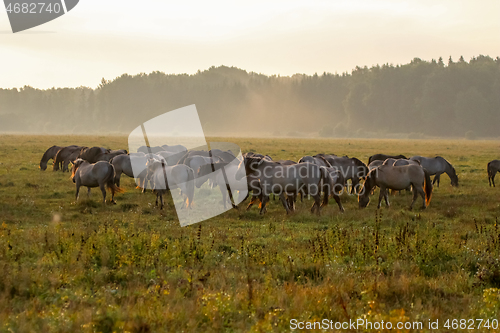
pixel 321 177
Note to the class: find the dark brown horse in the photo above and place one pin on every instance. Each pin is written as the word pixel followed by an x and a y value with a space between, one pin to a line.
pixel 63 156
pixel 493 168
pixel 49 155
pixel 383 157
pixel 109 155
pixel 91 154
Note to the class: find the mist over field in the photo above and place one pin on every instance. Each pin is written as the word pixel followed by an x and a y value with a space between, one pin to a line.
pixel 437 98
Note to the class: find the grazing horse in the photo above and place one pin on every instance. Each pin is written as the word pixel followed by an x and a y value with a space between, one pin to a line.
pixel 91 154
pixel 399 162
pixel 351 168
pixel 493 168
pixel 397 178
pixel 49 154
pixel 383 157
pixel 100 174
pixel 64 156
pixel 437 166
pixel 306 178
pixel 165 178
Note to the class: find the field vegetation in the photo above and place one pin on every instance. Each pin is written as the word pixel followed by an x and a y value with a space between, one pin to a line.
pixel 71 266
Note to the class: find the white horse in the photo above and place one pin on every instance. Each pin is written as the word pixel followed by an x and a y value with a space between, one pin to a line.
pixel 100 174
pixel 165 178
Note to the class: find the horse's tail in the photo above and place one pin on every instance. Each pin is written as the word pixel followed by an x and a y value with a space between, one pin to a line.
pixel 427 187
pixel 110 181
pixel 190 188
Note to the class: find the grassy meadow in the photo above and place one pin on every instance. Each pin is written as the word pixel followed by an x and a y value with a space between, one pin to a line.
pixel 69 266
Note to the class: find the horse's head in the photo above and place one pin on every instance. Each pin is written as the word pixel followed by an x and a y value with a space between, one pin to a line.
pixel 364 193
pixel 74 168
pixel 454 178
pixel 43 166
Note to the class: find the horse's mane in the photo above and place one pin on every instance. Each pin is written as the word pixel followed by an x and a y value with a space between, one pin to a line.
pixel 44 157
pixel 76 165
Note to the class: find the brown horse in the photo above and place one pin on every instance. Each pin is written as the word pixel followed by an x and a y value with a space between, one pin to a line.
pixel 49 154
pixel 62 158
pixel 493 168
pixel 397 178
pixel 383 157
pixel 91 154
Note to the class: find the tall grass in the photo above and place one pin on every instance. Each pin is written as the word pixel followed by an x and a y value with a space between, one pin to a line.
pixel 81 266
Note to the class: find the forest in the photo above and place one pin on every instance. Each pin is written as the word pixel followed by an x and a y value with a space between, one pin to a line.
pixel 416 100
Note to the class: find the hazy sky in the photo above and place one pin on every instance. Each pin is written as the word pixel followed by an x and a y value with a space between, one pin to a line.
pixel 108 38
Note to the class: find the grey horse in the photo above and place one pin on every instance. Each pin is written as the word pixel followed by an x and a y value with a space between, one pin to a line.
pixel 306 178
pixel 437 166
pixel 164 177
pixel 100 174
pixel 397 178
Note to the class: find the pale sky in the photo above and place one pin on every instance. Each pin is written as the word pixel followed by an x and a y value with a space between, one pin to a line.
pixel 108 38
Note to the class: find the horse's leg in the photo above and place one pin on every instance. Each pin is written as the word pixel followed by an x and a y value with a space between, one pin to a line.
pixel 224 196
pixel 284 202
pixel 337 200
pixel 437 178
pixel 77 190
pixel 103 190
pixel 117 178
pixel 355 185
pixel 156 202
pixel 380 196
pixel 422 194
pixel 317 204
pixel 231 199
pixel 252 201
pixel 265 199
pixel 113 196
pixel 415 196
pixel 88 192
pixel 293 199
pixel 493 179
pixel 386 197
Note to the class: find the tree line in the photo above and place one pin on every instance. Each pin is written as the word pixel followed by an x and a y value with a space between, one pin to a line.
pixel 418 98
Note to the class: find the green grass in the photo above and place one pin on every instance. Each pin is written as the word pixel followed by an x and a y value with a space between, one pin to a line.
pixel 84 266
